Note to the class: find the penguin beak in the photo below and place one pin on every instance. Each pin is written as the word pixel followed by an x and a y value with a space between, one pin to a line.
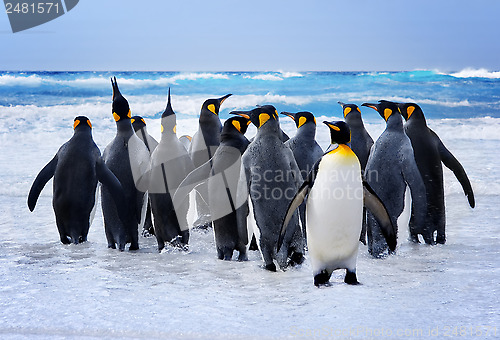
pixel 341 104
pixel 370 105
pixel 331 125
pixel 116 91
pixel 241 114
pixel 291 115
pixel 221 100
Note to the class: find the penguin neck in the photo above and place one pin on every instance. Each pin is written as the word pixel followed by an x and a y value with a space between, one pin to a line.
pixel 271 127
pixel 124 127
pixel 417 119
pixel 235 139
pixel 354 121
pixel 307 130
pixel 82 132
pixel 395 122
pixel 167 136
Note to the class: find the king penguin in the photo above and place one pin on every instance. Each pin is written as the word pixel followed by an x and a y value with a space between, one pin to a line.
pixel 272 177
pixel 76 168
pixel 170 164
pixel 361 144
pixel 390 169
pixel 334 209
pixel 139 125
pixel 223 173
pixel 305 149
pixel 203 145
pixel 429 153
pixel 128 158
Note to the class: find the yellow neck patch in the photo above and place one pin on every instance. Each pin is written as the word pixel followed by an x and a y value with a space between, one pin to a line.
pixel 90 124
pixel 211 108
pixel 132 121
pixel 387 114
pixel 410 110
pixel 263 117
pixel 302 121
pixel 116 117
pixel 161 128
pixel 342 150
pixel 346 111
pixel 237 125
pixel 129 114
pixel 75 124
pixel 175 129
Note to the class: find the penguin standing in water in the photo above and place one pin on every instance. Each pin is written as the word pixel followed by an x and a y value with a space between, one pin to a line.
pixel 272 177
pixel 334 209
pixel 203 145
pixel 361 144
pixel 429 153
pixel 390 168
pixel 76 168
pixel 170 164
pixel 223 173
pixel 305 149
pixel 128 158
pixel 139 125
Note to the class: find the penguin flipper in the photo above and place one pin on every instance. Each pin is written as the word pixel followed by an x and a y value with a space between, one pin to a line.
pixel 373 203
pixel 109 180
pixel 193 179
pixel 297 201
pixel 454 165
pixel 294 204
pixel 41 179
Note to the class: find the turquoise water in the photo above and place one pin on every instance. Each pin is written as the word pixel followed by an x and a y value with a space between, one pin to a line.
pixel 456 95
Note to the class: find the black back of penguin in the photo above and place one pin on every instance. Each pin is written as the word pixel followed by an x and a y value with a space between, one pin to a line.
pixel 76 168
pixel 361 141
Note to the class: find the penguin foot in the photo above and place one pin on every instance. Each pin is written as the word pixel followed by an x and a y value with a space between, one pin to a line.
pixel 413 238
pixel 322 279
pixel 133 247
pixel 350 278
pixel 271 267
pixel 111 246
pixel 242 257
pixel 441 239
pixel 65 240
pixel 296 259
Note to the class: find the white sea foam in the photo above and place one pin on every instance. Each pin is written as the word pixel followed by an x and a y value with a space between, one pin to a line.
pixel 476 73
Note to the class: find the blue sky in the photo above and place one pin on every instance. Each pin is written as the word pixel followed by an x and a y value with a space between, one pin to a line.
pixel 288 35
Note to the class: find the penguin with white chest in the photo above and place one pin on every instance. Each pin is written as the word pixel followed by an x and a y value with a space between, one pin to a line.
pixel 334 209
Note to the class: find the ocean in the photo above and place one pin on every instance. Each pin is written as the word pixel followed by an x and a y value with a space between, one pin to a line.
pixel 53 291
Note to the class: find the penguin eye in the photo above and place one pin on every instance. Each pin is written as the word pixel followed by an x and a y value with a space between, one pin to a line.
pixel 410 110
pixel 387 113
pixel 346 111
pixel 237 125
pixel 263 117
pixel 302 121
pixel 211 108
pixel 75 124
pixel 90 124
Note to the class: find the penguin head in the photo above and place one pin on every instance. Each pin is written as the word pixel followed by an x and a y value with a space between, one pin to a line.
pixel 212 106
pixel 339 132
pixel 409 110
pixel 240 123
pixel 350 109
pixel 168 118
pixel 81 122
pixel 384 108
pixel 260 115
pixel 138 123
pixel 121 109
pixel 301 118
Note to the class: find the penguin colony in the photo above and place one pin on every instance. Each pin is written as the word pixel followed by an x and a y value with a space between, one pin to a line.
pixel 293 198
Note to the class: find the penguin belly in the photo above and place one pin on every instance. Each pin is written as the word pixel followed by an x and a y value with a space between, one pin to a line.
pixel 334 214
